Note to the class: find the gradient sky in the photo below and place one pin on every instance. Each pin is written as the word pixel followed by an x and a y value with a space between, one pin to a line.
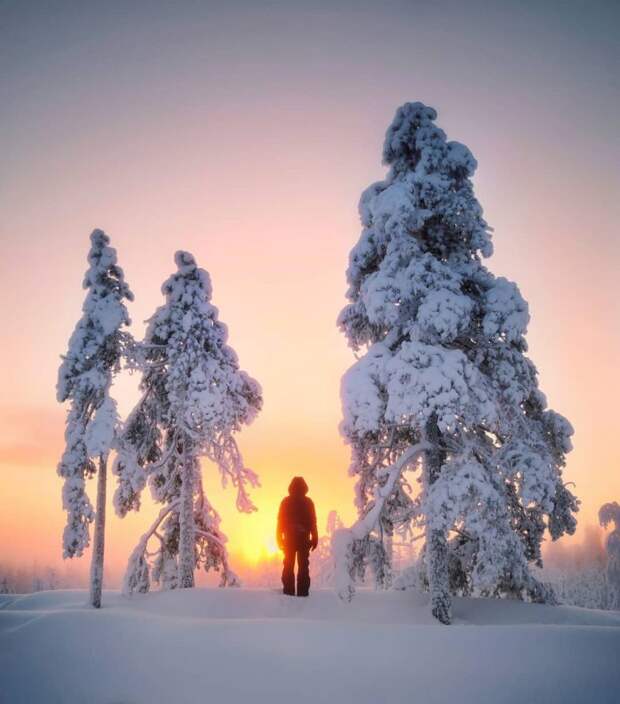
pixel 246 134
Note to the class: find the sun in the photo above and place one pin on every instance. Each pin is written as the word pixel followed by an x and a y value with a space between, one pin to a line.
pixel 254 538
pixel 261 549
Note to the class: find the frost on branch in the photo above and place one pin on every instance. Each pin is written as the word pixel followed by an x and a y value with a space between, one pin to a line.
pixel 194 400
pixel 443 365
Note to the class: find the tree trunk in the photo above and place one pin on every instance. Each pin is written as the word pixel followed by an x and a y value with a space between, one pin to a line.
pixel 437 543
pixel 96 564
pixel 388 546
pixel 441 603
pixel 187 540
pixel 389 549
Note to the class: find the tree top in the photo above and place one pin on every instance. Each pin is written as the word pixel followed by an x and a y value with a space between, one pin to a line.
pixel 189 273
pixel 413 137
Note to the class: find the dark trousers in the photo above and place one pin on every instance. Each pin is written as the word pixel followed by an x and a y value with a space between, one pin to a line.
pixel 302 553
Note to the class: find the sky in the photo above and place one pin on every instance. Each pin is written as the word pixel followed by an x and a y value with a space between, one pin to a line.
pixel 245 134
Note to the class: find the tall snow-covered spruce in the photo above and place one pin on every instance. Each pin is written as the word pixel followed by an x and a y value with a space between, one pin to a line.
pixel 95 351
pixel 443 393
pixel 195 398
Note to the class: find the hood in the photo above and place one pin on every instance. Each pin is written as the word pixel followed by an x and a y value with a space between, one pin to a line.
pixel 298 487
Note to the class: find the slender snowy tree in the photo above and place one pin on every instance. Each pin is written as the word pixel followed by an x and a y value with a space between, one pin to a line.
pixel 321 559
pixel 610 513
pixel 444 391
pixel 195 398
pixel 84 379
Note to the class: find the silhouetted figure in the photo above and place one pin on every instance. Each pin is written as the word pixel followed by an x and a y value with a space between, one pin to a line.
pixel 297 535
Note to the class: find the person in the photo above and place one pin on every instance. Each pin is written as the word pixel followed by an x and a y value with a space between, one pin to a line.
pixel 296 535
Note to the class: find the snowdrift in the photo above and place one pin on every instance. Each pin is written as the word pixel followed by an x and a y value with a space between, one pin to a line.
pixel 243 645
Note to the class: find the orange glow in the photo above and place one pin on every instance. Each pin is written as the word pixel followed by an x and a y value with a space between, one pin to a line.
pixel 255 540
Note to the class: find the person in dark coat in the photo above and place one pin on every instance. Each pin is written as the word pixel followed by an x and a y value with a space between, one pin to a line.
pixel 296 535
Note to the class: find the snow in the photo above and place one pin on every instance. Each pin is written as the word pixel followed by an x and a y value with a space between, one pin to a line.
pixel 239 645
pixel 506 311
pixel 101 431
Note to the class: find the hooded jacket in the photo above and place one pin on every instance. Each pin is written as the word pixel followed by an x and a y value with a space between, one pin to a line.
pixel 297 517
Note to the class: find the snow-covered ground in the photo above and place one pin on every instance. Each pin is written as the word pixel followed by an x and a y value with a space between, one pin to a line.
pixel 243 645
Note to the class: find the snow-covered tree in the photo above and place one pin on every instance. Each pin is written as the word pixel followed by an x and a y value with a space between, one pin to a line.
pixel 584 586
pixel 321 559
pixel 194 399
pixel 45 580
pixel 610 513
pixel 84 379
pixel 443 391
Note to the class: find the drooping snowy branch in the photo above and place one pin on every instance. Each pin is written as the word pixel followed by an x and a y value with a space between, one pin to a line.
pixel 137 575
pixel 347 543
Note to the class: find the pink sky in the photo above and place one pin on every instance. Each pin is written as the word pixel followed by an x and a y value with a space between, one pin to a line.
pixel 246 136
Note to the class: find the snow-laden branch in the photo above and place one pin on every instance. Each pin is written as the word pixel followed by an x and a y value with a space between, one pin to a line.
pixel 344 539
pixel 137 556
pixel 224 452
pixel 167 455
pixel 364 525
pixel 210 536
